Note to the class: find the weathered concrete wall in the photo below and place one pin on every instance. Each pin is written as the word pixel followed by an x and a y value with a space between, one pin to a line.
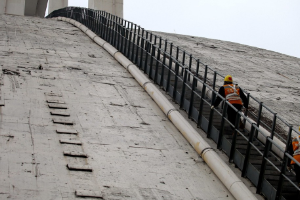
pixel 133 149
pixel 114 7
pixel 56 4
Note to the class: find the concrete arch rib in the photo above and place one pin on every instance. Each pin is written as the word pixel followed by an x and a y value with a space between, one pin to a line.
pixel 218 166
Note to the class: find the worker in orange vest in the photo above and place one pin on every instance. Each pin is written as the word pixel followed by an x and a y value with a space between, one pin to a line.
pixel 296 156
pixel 234 95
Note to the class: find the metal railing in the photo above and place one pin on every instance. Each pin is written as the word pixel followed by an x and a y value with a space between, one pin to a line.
pixel 188 81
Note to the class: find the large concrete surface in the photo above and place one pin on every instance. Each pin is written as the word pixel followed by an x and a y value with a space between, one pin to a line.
pixel 272 77
pixel 134 151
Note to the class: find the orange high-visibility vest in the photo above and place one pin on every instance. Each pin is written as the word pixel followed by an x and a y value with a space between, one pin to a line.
pixel 232 94
pixel 296 148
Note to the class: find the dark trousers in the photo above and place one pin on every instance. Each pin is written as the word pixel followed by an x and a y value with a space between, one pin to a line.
pixel 297 170
pixel 231 114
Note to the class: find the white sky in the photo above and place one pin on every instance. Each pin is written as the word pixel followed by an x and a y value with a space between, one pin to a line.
pixel 267 24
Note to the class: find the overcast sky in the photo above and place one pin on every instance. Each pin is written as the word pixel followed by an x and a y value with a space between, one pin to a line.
pixel 267 24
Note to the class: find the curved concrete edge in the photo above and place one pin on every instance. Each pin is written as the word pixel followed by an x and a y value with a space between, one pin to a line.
pixel 91 34
pixel 99 41
pixel 218 166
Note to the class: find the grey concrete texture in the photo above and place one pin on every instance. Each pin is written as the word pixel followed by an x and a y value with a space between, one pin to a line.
pixel 271 77
pixel 133 151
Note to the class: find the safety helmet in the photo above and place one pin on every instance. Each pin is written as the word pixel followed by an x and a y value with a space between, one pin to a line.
pixel 228 78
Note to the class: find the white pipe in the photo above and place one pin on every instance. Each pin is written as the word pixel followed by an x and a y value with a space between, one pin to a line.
pixel 219 167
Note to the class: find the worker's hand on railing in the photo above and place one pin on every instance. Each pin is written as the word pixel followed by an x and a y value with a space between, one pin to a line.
pixel 212 107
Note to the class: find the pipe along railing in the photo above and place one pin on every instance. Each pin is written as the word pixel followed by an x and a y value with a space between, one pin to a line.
pixel 192 85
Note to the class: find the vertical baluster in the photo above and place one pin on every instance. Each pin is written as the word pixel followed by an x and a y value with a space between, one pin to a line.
pixel 157 62
pixel 247 155
pixel 233 142
pixel 192 97
pixel 212 110
pixel 183 88
pixel 259 116
pixel 284 165
pixel 190 66
pixel 221 131
pixel 133 44
pixel 176 74
pixel 202 97
pixel 170 68
pixel 142 49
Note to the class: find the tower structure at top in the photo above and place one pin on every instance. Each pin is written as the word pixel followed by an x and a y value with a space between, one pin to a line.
pixel 38 7
pixel 114 7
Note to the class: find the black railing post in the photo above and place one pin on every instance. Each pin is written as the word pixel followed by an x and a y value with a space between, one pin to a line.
pixel 126 42
pixel 273 125
pixel 157 62
pixel 170 68
pixel 110 30
pixel 129 41
pixel 163 70
pixel 247 155
pixel 284 165
pixel 192 97
pixel 197 69
pixel 221 131
pixel 163 65
pixel 146 53
pixel 133 44
pixel 176 75
pixel 137 46
pixel 142 49
pixel 146 56
pixel 115 32
pixel 102 21
pixel 120 27
pixel 263 165
pixel 202 97
pixel 151 61
pixel 183 88
pixel 258 117
pixel 233 142
pixel 246 111
pixel 190 66
pixel 183 62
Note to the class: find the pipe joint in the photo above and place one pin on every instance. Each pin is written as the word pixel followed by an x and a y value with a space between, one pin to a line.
pixel 144 85
pixel 171 110
pixel 129 66
pixel 205 150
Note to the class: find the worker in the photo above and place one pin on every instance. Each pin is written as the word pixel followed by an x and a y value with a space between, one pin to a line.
pixel 296 156
pixel 234 95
